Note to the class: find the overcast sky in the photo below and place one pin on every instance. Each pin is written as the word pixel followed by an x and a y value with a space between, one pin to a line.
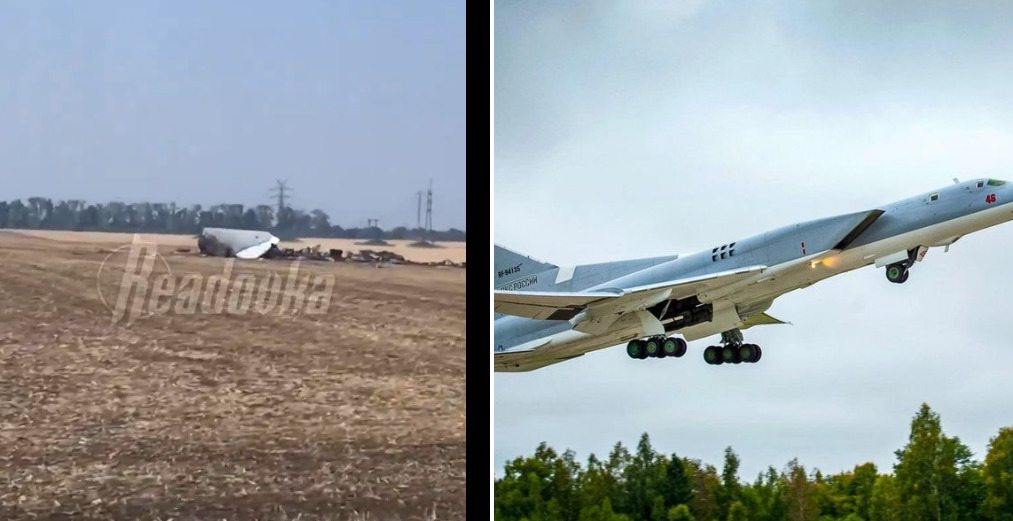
pixel 633 129
pixel 357 104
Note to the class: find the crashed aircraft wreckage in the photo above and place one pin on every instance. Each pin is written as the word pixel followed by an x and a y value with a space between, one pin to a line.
pixel 229 242
pixel 256 244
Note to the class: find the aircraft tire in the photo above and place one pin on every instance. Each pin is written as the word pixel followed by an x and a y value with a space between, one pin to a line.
pixel 670 347
pixel 652 348
pixel 683 347
pixel 635 349
pixel 712 355
pixel 674 347
pixel 896 273
pixel 759 353
pixel 903 277
pixel 730 355
pixel 747 353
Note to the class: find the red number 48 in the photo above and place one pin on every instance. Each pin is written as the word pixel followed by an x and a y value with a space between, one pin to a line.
pixel 990 198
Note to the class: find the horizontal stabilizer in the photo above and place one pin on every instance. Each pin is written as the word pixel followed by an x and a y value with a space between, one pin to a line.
pixel 546 305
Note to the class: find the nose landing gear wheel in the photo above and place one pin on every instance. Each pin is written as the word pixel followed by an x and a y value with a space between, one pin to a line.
pixel 896 273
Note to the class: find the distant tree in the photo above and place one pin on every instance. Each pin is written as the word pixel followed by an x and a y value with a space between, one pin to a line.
pixel 765 498
pixel 43 213
pixel 523 492
pixel 398 233
pixel 265 215
pixel 658 510
pixel 861 488
pixel 998 476
pixel 730 490
pixel 884 503
pixel 319 224
pixel 936 479
pixel 675 486
pixel 597 484
pixel 639 477
pixel 737 512
pixel 799 493
pixel 706 485
pixel 602 512
pixel 250 221
pixel 680 513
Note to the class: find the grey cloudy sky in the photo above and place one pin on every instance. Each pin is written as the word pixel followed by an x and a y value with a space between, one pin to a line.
pixel 631 129
pixel 358 104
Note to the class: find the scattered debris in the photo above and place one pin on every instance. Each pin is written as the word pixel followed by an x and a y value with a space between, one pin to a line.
pixel 224 242
pixel 424 244
pixel 374 242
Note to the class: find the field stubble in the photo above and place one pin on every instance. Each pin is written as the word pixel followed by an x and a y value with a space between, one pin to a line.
pixel 355 413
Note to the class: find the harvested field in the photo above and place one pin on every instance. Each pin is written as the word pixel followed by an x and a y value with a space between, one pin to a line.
pixel 453 251
pixel 354 413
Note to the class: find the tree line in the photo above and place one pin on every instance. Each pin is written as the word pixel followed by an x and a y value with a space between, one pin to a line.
pixel 935 478
pixel 287 223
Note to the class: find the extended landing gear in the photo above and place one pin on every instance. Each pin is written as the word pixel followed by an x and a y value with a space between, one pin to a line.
pixel 897 273
pixel 656 347
pixel 732 354
pixel 734 351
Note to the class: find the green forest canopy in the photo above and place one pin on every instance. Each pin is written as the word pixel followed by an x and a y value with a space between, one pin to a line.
pixel 934 479
pixel 42 213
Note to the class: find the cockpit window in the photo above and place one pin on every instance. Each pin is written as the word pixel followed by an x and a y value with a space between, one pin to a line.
pixel 995 182
pixel 934 197
pixel 980 184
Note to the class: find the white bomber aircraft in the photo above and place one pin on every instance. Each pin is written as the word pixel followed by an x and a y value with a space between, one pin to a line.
pixel 546 314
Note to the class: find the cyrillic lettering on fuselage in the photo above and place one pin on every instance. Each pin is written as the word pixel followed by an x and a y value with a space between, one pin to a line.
pixel 519 284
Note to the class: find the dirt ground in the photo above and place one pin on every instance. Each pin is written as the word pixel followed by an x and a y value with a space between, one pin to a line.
pixel 354 413
pixel 453 251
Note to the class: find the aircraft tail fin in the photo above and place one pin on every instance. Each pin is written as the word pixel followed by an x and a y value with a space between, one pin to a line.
pixel 509 266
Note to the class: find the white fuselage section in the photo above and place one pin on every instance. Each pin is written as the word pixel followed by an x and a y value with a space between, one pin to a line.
pixel 767 285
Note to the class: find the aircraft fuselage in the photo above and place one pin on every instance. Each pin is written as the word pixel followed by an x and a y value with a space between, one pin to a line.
pixel 897 234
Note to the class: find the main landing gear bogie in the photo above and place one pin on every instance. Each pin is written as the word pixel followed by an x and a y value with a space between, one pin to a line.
pixel 656 347
pixel 732 354
pixel 732 351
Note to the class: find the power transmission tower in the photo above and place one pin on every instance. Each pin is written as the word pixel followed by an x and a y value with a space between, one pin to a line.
pixel 418 212
pixel 281 191
pixel 429 212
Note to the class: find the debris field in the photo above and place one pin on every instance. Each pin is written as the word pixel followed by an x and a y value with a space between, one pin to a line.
pixel 354 413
